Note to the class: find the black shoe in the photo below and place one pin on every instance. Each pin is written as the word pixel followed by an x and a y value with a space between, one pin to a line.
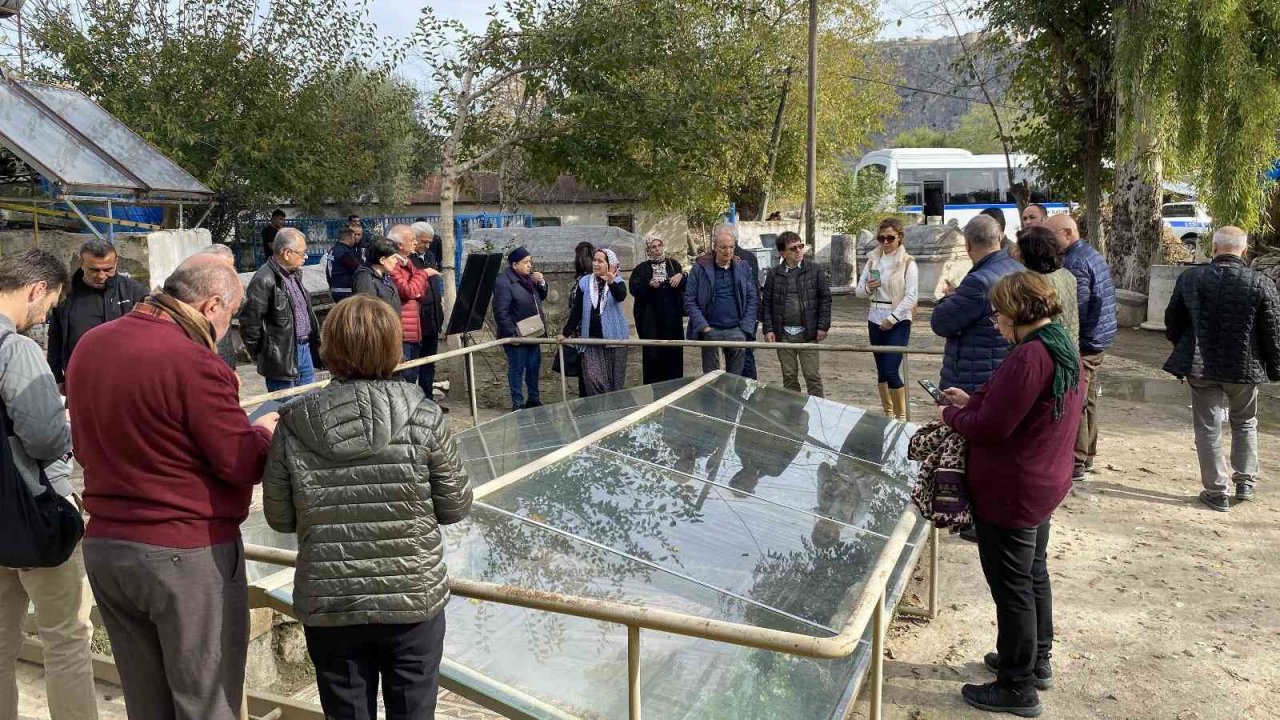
pixel 532 404
pixel 1215 500
pixel 1088 468
pixel 970 534
pixel 1244 491
pixel 1077 474
pixel 993 698
pixel 1043 671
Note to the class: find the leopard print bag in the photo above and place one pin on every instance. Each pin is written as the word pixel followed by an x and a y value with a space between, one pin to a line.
pixel 939 489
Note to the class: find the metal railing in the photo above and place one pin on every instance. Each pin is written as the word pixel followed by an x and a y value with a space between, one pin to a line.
pixel 868 610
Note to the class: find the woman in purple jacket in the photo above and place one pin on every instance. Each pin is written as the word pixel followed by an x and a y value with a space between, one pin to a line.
pixel 1021 427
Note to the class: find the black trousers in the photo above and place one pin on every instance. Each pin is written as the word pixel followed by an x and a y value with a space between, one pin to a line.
pixel 350 659
pixel 427 373
pixel 658 364
pixel 1014 562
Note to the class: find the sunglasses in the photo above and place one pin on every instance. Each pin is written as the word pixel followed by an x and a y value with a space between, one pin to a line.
pixel 797 246
pixel 886 238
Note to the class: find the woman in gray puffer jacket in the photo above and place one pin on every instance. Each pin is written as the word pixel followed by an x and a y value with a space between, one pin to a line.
pixel 365 471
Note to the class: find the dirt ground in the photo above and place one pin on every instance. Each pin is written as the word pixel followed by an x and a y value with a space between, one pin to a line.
pixel 1163 608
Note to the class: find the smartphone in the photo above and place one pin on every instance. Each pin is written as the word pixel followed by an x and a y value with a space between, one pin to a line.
pixel 934 392
pixel 875 275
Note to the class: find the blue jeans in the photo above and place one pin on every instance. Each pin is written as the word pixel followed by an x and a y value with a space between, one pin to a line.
pixel 306 371
pixel 524 362
pixel 410 353
pixel 888 365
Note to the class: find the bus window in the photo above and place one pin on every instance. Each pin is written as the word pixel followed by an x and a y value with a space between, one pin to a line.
pixel 1038 191
pixel 971 187
pixel 909 188
pixel 872 168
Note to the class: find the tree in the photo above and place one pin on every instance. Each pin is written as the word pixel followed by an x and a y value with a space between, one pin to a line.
pixel 286 105
pixel 684 107
pixel 1061 55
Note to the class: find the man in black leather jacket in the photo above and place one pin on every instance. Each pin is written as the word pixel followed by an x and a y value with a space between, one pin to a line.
pixel 277 322
pixel 1224 323
pixel 98 294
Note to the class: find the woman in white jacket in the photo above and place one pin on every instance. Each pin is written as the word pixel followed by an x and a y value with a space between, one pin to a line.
pixel 891 280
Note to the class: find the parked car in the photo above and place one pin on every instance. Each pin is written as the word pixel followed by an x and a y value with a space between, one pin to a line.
pixel 1189 221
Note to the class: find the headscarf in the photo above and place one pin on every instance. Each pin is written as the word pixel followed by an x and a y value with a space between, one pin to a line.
pixel 1066 362
pixel 597 283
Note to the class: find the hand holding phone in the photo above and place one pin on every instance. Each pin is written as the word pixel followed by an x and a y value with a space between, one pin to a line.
pixel 934 392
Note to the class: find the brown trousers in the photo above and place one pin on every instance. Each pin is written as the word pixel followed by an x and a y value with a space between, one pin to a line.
pixel 178 620
pixel 1087 440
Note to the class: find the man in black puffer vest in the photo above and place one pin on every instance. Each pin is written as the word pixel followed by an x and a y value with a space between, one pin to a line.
pixel 1224 323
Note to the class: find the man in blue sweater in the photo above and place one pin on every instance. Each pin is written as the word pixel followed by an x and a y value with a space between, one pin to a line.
pixel 1096 297
pixel 721 302
pixel 974 347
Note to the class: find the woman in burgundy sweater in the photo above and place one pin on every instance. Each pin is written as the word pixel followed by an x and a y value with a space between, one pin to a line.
pixel 1021 427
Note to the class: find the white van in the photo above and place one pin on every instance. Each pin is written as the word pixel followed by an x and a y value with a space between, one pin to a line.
pixel 957 185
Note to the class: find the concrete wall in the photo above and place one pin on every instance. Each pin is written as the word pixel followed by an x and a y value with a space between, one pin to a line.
pixel 670 226
pixel 166 249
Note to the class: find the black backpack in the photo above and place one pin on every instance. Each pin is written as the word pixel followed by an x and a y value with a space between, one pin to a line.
pixel 35 531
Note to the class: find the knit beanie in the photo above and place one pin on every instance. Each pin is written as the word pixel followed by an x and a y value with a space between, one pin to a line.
pixel 517 255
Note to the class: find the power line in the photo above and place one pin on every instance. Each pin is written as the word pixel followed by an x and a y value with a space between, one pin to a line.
pixel 936 92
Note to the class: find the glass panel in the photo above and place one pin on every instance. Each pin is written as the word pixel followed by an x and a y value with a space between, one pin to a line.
pixel 850 488
pixel 971 187
pixel 1179 210
pixel 117 139
pixel 763 557
pixel 32 134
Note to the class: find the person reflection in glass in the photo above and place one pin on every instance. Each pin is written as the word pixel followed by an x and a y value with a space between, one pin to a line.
pixel 770 450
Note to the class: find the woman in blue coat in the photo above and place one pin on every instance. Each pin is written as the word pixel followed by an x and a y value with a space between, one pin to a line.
pixel 518 295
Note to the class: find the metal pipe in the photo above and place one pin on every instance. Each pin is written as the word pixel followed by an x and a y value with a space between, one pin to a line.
pixel 754 345
pixel 791 643
pixel 182 220
pixel 564 384
pixel 934 535
pixel 111 224
pixel 204 217
pixel 811 137
pixel 471 388
pixel 633 671
pixel 71 204
pixel 876 673
pixel 906 383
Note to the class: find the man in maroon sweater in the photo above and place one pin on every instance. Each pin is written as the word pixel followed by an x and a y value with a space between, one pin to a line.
pixel 170 461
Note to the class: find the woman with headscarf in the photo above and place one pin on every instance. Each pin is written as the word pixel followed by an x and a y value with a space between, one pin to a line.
pixel 517 300
pixel 891 279
pixel 599 315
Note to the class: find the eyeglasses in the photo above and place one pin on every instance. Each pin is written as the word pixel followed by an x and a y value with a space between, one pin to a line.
pixel 886 238
pixel 995 319
pixel 295 252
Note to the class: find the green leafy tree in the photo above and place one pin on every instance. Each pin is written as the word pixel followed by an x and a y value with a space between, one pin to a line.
pixel 1061 58
pixel 264 104
pixel 690 106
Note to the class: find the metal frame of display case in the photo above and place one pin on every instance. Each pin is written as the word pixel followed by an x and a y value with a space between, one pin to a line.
pixel 869 611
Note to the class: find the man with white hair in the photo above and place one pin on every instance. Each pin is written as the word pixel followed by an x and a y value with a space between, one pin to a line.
pixel 1224 323
pixel 429 243
pixel 431 304
pixel 748 257
pixel 277 323
pixel 224 254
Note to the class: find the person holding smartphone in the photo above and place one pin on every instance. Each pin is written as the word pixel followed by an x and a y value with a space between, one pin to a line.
pixel 891 280
pixel 598 314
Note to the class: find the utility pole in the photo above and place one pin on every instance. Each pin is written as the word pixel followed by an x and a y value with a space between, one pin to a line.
pixel 811 151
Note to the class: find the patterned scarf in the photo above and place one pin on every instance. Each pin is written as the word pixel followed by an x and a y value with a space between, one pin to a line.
pixel 195 325
pixel 1066 362
pixel 596 287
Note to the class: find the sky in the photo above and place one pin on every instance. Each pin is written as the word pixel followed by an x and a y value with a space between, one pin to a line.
pixel 397 17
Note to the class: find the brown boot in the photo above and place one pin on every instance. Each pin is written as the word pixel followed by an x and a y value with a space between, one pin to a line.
pixel 885 401
pixel 899 399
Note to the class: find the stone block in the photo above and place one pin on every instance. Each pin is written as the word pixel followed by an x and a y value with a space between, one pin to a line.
pixel 260 670
pixel 1131 308
pixel 291 643
pixel 844 261
pixel 1159 292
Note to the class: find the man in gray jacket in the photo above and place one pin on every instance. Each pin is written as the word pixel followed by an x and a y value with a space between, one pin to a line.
pixel 30 284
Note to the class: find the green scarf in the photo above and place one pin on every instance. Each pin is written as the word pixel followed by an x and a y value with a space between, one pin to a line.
pixel 1066 362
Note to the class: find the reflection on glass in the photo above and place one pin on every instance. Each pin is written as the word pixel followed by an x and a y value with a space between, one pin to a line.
pixel 740 502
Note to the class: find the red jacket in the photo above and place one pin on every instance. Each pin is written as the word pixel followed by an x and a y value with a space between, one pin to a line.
pixel 169 457
pixel 412 285
pixel 1020 458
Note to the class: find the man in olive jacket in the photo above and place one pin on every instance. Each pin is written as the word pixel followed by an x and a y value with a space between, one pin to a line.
pixel 796 308
pixel 277 323
pixel 1224 323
